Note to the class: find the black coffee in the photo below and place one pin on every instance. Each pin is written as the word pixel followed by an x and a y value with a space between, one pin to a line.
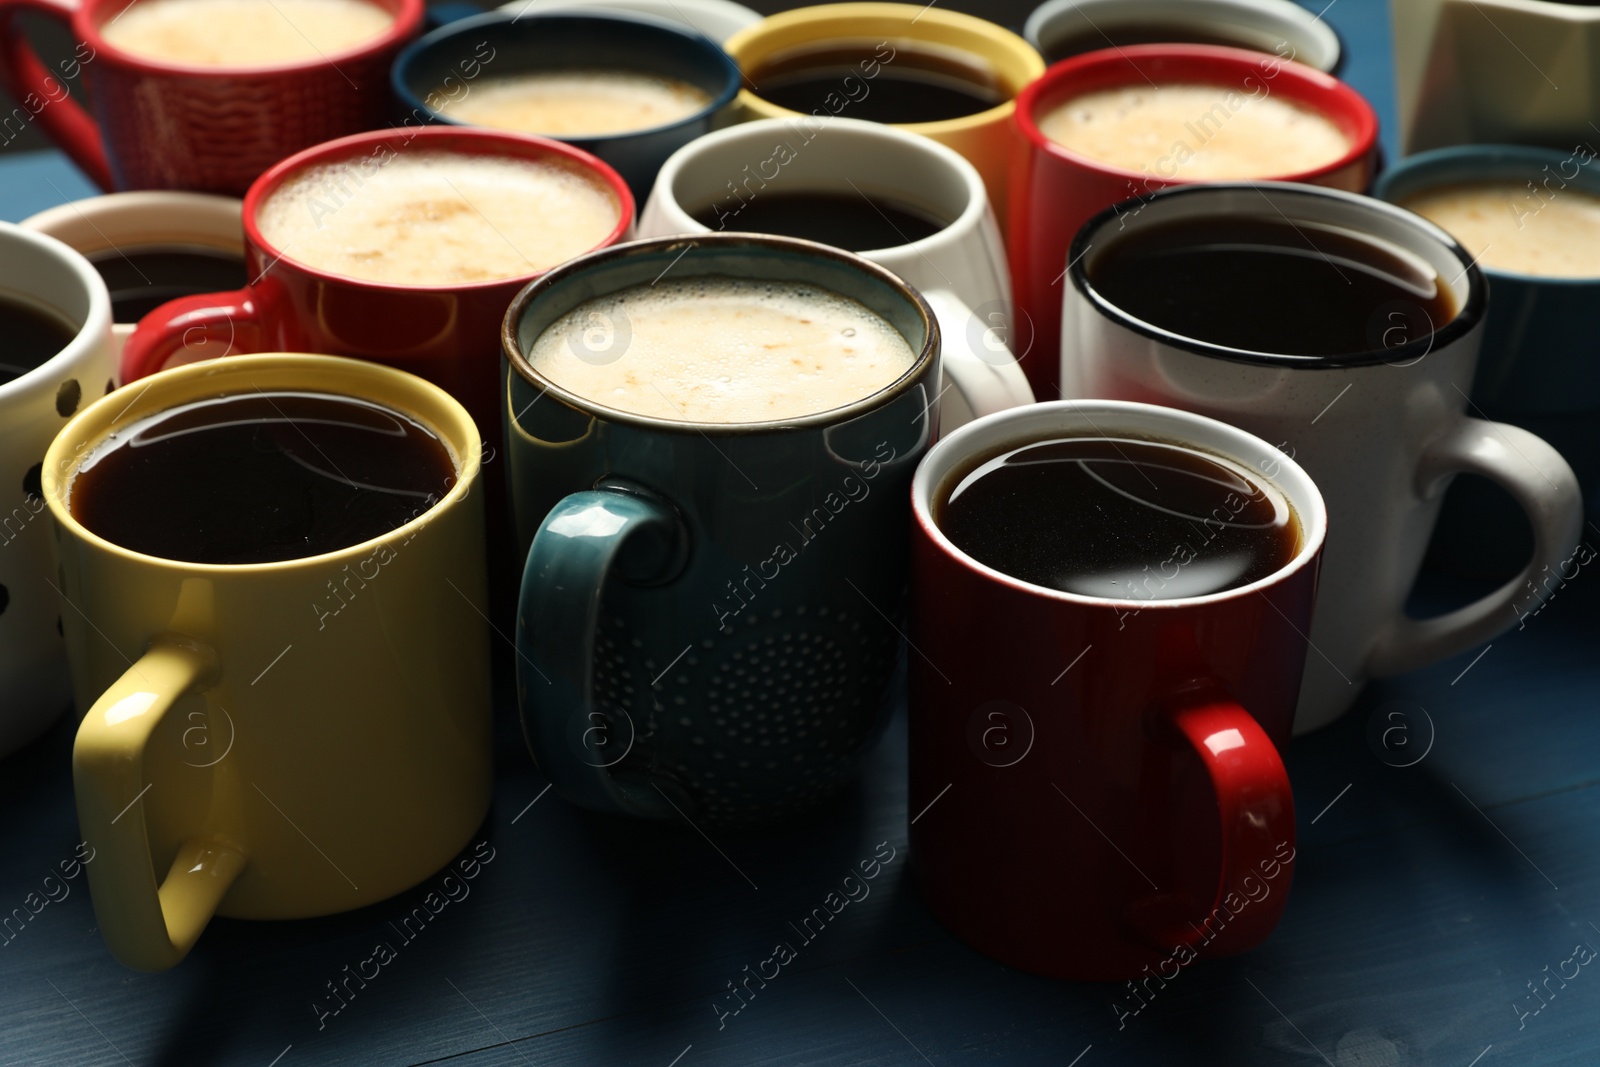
pixel 32 334
pixel 880 81
pixel 1118 518
pixel 1269 285
pixel 1088 38
pixel 142 279
pixel 259 477
pixel 849 221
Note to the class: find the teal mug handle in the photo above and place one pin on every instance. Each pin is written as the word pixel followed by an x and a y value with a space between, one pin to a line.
pixel 616 531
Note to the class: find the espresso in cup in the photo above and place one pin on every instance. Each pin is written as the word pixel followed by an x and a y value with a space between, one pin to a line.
pixel 1509 228
pixel 723 350
pixel 568 103
pixel 267 476
pixel 142 279
pixel 1197 132
pixel 894 81
pixel 431 218
pixel 244 33
pixel 33 333
pixel 856 223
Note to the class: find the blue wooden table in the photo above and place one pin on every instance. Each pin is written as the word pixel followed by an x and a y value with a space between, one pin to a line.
pixel 1449 872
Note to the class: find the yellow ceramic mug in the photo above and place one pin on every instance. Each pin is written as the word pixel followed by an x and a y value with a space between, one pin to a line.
pixel 984 138
pixel 285 739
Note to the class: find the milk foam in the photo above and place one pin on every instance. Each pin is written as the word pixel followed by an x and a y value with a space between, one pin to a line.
pixel 1195 132
pixel 575 102
pixel 722 350
pixel 244 33
pixel 1507 226
pixel 436 218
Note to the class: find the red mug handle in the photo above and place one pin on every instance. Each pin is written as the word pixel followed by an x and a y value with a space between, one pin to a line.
pixel 1256 811
pixel 215 318
pixel 28 80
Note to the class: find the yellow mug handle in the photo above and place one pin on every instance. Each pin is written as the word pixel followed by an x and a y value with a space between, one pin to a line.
pixel 148 927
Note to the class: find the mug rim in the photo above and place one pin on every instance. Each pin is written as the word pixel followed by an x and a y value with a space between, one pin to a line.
pixel 1309 506
pixel 94 329
pixel 399 140
pixel 408 16
pixel 1281 12
pixel 400 69
pixel 1337 100
pixel 511 345
pixel 187 217
pixel 835 20
pixel 1466 319
pixel 666 194
pixel 1463 164
pixel 93 423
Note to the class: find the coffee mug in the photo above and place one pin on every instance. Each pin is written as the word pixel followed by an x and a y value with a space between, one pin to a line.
pixel 960 268
pixel 236 713
pixel 40 276
pixel 1381 430
pixel 1095 786
pixel 976 56
pixel 151 247
pixel 431 75
pixel 710 611
pixel 1055 190
pixel 715 19
pixel 1060 29
pixel 447 334
pixel 167 124
pixel 1531 371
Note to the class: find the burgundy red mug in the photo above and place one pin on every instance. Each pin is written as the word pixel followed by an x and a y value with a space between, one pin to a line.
pixel 449 335
pixel 1054 190
pixel 168 125
pixel 1095 784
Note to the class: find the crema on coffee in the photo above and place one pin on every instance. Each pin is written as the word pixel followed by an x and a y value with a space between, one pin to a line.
pixel 1195 132
pixel 567 103
pixel 434 218
pixel 1507 226
pixel 244 33
pixel 722 350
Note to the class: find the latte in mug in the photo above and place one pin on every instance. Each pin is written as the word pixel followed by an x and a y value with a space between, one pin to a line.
pixel 431 218
pixel 722 350
pixel 571 103
pixel 1506 226
pixel 244 33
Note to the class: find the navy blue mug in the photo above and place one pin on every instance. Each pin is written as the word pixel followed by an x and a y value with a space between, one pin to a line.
pixel 1537 368
pixel 711 613
pixel 447 65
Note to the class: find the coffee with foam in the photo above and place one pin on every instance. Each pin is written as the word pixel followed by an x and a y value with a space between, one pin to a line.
pixel 722 350
pixel 1504 225
pixel 570 103
pixel 244 33
pixel 1195 132
pixel 434 218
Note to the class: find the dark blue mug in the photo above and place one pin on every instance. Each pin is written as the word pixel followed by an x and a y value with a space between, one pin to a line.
pixel 448 64
pixel 711 613
pixel 1537 368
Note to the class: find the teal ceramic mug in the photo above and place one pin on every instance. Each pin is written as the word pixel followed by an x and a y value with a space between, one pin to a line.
pixel 711 612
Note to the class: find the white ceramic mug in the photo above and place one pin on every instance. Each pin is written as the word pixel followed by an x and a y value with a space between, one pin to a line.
pixel 40 271
pixel 716 19
pixel 1382 432
pixel 1278 26
pixel 124 223
pixel 960 270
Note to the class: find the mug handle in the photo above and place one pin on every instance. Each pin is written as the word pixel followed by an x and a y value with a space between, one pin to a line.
pixel 24 74
pixel 1255 806
pixel 990 379
pixel 615 530
pixel 148 926
pixel 225 318
pixel 1542 483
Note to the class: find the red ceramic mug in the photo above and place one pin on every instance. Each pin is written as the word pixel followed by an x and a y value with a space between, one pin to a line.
pixel 167 125
pixel 1096 791
pixel 1054 190
pixel 448 334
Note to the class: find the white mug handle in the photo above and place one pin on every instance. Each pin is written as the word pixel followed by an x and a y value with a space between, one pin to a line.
pixel 977 364
pixel 1544 485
